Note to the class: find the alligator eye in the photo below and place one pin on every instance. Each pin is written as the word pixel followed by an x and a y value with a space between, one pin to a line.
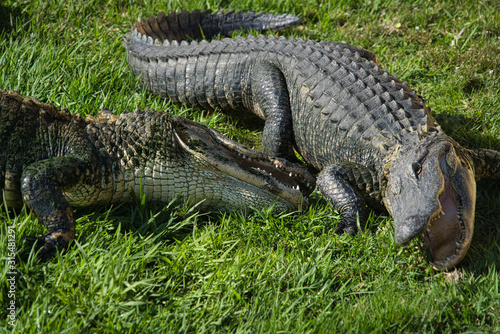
pixel 417 168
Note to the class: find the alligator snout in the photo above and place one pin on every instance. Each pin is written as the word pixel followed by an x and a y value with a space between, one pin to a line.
pixel 408 229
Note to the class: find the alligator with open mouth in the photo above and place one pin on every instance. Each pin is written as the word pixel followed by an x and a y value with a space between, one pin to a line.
pixel 371 138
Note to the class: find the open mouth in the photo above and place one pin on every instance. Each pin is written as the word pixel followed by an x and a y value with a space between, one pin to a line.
pixel 286 180
pixel 282 171
pixel 445 235
pixel 283 178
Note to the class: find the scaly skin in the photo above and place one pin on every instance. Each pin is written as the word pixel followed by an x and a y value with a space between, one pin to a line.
pixel 53 161
pixel 371 138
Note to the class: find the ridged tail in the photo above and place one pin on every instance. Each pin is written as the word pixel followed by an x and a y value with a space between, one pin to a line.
pixel 179 26
pixel 486 163
pixel 207 75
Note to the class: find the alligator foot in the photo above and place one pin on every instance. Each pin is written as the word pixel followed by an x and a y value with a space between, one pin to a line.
pixel 349 227
pixel 53 242
pixel 333 183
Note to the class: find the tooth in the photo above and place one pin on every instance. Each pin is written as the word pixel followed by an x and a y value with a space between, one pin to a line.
pixel 244 156
pixel 308 184
pixel 290 174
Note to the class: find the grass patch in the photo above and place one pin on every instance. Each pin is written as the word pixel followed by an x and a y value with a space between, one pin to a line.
pixel 144 268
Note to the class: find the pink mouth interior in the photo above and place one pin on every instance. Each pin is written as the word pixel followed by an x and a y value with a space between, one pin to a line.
pixel 444 234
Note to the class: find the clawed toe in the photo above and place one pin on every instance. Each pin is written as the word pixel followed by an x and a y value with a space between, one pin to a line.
pixel 52 243
pixel 349 228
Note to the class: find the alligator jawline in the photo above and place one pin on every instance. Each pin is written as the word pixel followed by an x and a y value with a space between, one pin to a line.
pixel 280 174
pixel 280 178
pixel 444 236
pixel 274 168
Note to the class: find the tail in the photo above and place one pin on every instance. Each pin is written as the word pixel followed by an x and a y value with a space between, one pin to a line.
pixel 179 26
pixel 486 163
pixel 198 74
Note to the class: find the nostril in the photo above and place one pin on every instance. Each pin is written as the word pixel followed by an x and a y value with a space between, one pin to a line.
pixel 417 169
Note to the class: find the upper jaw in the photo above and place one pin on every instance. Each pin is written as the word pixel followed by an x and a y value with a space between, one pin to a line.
pixel 288 181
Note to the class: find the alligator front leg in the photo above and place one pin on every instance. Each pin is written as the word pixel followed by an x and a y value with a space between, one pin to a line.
pixel 41 185
pixel 272 102
pixel 333 183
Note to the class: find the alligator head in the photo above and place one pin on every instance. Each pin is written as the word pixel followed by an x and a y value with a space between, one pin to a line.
pixel 431 193
pixel 288 183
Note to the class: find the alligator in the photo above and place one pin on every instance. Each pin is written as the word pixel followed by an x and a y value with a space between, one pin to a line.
pixel 53 161
pixel 371 138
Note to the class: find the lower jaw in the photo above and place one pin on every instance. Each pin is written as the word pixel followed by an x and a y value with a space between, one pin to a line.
pixel 444 262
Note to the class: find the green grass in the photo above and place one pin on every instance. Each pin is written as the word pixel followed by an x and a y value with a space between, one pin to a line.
pixel 142 268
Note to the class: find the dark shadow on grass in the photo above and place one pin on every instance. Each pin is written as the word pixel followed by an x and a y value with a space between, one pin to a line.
pixel 459 128
pixel 145 219
pixel 486 239
pixel 174 222
pixel 7 18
